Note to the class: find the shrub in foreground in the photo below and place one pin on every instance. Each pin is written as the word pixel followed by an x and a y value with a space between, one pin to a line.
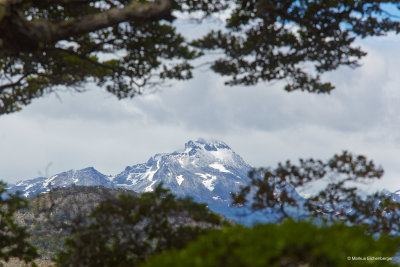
pixel 288 244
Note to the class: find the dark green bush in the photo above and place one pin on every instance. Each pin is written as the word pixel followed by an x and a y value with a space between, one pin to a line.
pixel 288 244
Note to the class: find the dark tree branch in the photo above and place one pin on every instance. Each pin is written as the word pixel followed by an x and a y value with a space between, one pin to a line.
pixel 91 61
pixel 16 32
pixel 18 82
pixel 160 9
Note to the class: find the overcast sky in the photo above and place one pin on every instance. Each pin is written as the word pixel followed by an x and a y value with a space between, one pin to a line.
pixel 262 123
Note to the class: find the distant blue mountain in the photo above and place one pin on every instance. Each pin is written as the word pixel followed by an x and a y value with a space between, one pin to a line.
pixel 207 171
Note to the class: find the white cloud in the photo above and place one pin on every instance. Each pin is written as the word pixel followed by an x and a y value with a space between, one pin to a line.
pixel 264 124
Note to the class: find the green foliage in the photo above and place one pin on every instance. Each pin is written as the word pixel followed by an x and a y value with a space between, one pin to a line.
pixel 48 44
pixel 288 244
pixel 13 237
pixel 127 230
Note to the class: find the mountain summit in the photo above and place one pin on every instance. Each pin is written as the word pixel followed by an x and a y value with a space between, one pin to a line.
pixel 207 171
pixel 85 177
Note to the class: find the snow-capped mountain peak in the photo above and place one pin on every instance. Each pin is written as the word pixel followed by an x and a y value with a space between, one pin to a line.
pixel 85 177
pixel 192 147
pixel 202 153
pixel 200 160
pixel 207 170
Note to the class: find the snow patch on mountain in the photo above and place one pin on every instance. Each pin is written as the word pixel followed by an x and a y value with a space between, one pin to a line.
pixel 219 167
pixel 150 187
pixel 149 175
pixel 179 179
pixel 208 180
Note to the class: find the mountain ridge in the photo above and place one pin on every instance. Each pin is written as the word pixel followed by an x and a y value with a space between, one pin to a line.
pixel 206 170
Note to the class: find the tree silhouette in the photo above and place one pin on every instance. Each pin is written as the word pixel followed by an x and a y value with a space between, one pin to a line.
pixel 274 191
pixel 126 46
